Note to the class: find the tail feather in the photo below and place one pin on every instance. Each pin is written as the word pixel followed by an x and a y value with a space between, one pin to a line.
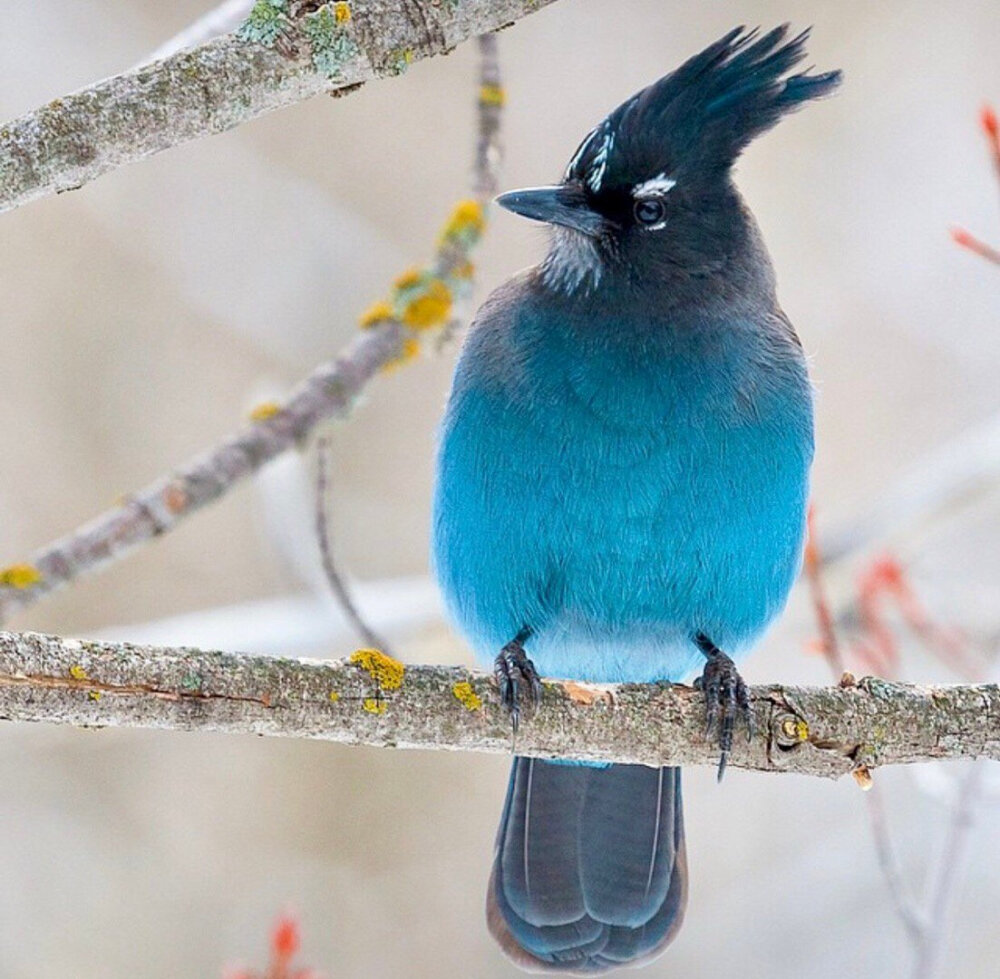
pixel 590 870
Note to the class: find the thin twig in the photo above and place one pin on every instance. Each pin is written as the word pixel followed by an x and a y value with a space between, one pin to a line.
pixel 225 82
pixel 372 699
pixel 219 20
pixel 485 183
pixel 333 576
pixel 942 881
pixel 903 902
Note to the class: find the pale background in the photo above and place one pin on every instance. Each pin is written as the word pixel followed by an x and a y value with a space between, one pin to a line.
pixel 141 317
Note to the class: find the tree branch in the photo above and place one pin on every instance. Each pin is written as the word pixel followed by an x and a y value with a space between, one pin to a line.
pixel 371 699
pixel 223 83
pixel 330 392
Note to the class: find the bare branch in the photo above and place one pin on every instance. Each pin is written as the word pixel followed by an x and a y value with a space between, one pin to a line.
pixel 371 699
pixel 333 576
pixel 223 83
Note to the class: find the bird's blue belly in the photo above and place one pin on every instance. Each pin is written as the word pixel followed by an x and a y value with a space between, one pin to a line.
pixel 617 530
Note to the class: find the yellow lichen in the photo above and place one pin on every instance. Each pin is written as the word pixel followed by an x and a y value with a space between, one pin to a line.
pixel 94 694
pixel 409 350
pixel 77 672
pixel 466 218
pixel 796 728
pixel 265 410
pixel 20 576
pixel 384 670
pixel 373 706
pixel 342 12
pixel 430 308
pixel 376 313
pixel 334 696
pixel 466 695
pixel 409 279
pixel 492 95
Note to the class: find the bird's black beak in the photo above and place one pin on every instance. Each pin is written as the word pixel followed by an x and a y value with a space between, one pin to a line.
pixel 564 205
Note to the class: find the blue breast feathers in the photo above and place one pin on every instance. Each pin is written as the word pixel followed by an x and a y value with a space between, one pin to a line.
pixel 618 489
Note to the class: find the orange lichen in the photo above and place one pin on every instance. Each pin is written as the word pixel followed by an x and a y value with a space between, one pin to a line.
pixel 20 576
pixel 795 729
pixel 384 670
pixel 466 695
pixel 409 279
pixel 466 219
pixel 342 12
pixel 429 308
pixel 492 95
pixel 376 313
pixel 265 410
pixel 408 351
pixel 175 497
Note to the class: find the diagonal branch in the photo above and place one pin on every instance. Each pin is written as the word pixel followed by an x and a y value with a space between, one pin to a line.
pixel 225 82
pixel 330 392
pixel 374 700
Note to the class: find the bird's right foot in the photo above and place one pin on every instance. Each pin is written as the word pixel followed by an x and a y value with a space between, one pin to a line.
pixel 726 698
pixel 516 677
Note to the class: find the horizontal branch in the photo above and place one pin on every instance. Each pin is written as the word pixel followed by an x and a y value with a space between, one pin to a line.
pixel 373 700
pixel 223 83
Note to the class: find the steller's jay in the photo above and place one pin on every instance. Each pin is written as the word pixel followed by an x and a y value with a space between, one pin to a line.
pixel 622 483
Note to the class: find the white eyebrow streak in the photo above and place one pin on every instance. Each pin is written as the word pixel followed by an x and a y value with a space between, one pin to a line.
pixel 655 187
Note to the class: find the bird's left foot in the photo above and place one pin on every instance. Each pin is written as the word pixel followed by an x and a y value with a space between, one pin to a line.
pixel 726 698
pixel 516 675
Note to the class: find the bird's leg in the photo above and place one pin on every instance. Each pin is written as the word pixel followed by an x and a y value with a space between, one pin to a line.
pixel 726 697
pixel 512 669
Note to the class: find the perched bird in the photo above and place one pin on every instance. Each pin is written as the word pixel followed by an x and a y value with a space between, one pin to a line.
pixel 622 483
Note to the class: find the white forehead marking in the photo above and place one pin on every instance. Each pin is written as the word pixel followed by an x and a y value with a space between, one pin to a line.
pixel 655 187
pixel 598 167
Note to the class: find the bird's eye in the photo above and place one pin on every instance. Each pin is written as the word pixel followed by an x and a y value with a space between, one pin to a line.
pixel 649 211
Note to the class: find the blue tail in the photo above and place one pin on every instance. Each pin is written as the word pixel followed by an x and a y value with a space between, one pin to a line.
pixel 590 870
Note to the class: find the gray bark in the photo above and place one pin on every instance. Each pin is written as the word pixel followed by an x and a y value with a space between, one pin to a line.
pixel 812 731
pixel 219 85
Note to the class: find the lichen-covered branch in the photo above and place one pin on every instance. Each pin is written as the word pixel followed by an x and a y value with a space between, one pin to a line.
pixel 424 302
pixel 230 80
pixel 374 700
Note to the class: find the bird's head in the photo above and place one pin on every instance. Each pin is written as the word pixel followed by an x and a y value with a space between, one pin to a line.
pixel 649 191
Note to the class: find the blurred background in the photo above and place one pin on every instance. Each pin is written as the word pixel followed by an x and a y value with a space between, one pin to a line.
pixel 143 316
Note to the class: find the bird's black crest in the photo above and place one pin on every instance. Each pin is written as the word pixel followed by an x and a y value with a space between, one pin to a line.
pixel 702 115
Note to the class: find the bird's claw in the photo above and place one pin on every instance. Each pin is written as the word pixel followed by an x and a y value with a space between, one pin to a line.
pixel 726 700
pixel 513 671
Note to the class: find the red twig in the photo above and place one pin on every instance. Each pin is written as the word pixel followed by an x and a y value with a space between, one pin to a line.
pixel 285 942
pixel 828 645
pixel 991 129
